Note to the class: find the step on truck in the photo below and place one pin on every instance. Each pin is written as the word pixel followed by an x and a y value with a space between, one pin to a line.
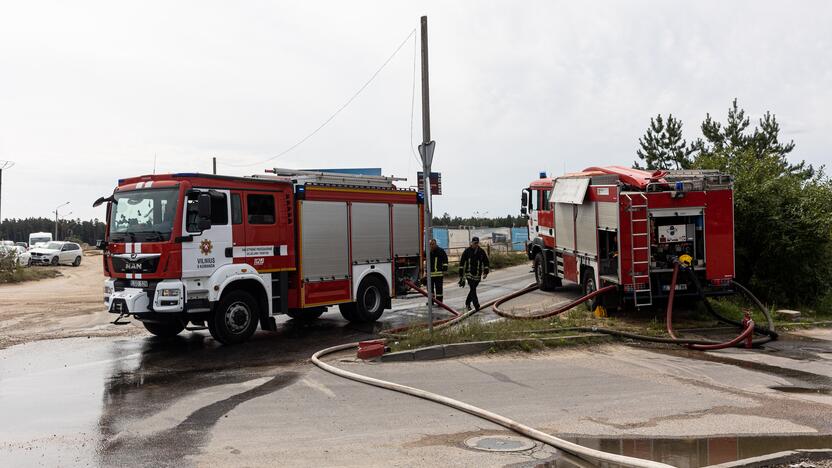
pixel 232 253
pixel 626 227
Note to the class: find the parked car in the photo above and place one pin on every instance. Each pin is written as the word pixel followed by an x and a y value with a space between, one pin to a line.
pixel 23 257
pixel 22 244
pixel 57 253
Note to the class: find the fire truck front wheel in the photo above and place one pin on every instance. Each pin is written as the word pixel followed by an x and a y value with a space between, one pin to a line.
pixel 165 329
pixel 544 282
pixel 235 318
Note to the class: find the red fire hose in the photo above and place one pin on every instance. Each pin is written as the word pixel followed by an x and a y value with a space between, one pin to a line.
pixel 548 314
pixel 748 326
pixel 746 334
pixel 421 291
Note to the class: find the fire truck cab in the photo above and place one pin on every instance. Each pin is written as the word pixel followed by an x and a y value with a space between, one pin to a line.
pixel 230 253
pixel 626 227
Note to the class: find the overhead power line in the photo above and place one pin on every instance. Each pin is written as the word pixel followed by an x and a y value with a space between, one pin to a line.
pixel 335 114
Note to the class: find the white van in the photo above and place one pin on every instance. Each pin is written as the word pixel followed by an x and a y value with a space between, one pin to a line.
pixel 39 239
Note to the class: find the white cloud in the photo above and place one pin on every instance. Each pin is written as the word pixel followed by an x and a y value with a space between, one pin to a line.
pixel 89 92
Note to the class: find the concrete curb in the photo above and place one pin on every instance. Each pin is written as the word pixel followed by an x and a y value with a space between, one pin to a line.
pixel 430 353
pixel 777 458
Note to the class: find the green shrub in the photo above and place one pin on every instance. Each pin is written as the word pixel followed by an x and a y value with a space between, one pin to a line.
pixel 11 272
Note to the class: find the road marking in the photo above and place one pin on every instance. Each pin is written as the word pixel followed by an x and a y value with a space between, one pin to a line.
pixel 315 385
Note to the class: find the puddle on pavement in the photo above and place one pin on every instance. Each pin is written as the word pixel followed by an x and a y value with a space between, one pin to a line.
pixel 691 453
pixel 64 401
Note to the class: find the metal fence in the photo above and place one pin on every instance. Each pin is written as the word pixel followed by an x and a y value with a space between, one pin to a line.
pixel 455 240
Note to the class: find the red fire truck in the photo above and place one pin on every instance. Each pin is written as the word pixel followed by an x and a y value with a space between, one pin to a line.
pixel 232 252
pixel 620 226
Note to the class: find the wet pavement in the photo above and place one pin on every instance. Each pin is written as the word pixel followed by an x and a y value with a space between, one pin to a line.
pixel 70 402
pixel 189 401
pixel 65 402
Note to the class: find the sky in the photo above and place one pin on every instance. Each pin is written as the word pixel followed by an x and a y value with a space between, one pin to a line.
pixel 91 92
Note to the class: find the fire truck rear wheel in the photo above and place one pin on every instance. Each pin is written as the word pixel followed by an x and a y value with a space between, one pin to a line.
pixel 589 286
pixel 306 314
pixel 544 282
pixel 348 311
pixel 235 318
pixel 369 302
pixel 165 329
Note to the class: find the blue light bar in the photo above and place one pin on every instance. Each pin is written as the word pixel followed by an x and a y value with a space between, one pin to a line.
pixel 542 174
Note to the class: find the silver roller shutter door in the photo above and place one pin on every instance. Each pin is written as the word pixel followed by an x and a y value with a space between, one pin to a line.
pixel 324 240
pixel 586 228
pixel 370 233
pixel 406 230
pixel 564 226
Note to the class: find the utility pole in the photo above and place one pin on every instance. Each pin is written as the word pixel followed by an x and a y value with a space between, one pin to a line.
pixel 426 151
pixel 56 218
pixel 3 165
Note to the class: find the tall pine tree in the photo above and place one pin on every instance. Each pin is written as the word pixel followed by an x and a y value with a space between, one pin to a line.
pixel 662 146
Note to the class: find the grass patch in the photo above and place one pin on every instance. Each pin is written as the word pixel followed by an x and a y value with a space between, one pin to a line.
pixel 499 260
pixel 531 330
pixel 21 274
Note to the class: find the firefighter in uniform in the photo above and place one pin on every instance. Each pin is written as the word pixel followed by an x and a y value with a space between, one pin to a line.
pixel 438 267
pixel 473 268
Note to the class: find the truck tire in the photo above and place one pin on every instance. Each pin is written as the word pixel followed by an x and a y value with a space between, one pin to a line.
pixel 348 311
pixel 370 300
pixel 544 282
pixel 587 286
pixel 235 318
pixel 306 314
pixel 165 329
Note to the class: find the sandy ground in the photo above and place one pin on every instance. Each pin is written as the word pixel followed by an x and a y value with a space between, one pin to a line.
pixel 67 306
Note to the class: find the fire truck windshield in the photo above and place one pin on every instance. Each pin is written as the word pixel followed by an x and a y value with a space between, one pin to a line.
pixel 143 215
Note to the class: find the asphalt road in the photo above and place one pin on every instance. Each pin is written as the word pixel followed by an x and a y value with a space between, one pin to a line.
pixel 139 401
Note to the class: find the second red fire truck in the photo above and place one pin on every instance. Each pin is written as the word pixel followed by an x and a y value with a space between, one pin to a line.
pixel 231 253
pixel 626 227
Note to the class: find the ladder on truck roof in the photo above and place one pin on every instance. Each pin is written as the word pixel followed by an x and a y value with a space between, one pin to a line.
pixel 334 178
pixel 639 249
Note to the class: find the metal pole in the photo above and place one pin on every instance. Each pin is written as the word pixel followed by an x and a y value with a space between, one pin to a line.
pixel 426 150
pixel 425 84
pixel 215 165
pixel 56 218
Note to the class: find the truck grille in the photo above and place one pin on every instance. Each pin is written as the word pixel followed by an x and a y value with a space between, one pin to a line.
pixel 139 265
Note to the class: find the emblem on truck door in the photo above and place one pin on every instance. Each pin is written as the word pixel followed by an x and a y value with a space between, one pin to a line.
pixel 205 247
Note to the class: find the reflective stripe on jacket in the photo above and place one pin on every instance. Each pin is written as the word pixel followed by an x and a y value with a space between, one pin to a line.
pixel 438 262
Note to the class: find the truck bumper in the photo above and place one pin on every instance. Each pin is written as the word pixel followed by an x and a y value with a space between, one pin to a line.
pixel 129 301
pixel 166 296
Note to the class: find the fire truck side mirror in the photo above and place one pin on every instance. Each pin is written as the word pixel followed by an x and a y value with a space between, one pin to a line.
pixel 204 211
pixel 524 202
